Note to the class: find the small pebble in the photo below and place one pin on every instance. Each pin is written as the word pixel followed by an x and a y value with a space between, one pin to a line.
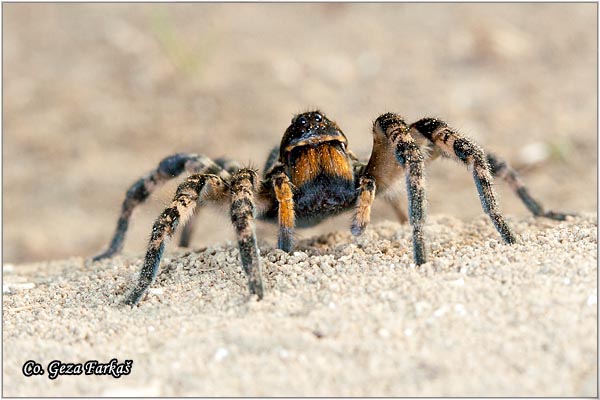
pixel 460 309
pixel 221 354
pixel 440 311
pixel 592 299
pixel 458 282
pixel 384 333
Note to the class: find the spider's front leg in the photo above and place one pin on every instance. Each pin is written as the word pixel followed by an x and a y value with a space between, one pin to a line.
pixel 394 153
pixel 193 190
pixel 451 143
pixel 169 168
pixel 243 188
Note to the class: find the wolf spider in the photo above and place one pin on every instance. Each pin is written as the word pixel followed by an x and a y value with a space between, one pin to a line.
pixel 310 177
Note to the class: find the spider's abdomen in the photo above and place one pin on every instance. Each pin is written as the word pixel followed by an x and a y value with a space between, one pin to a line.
pixel 324 180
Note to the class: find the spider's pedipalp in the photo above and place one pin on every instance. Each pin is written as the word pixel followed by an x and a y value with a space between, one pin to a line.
pixel 286 216
pixel 501 169
pixel 454 144
pixel 194 189
pixel 169 168
pixel 243 187
pixel 408 155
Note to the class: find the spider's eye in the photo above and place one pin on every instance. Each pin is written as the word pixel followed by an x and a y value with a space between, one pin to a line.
pixel 302 120
pixel 318 117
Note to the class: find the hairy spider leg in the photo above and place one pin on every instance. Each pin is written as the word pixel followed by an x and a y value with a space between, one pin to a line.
pixel 243 187
pixel 195 188
pixel 412 160
pixel 169 168
pixel 454 144
pixel 501 169
pixel 395 152
pixel 230 166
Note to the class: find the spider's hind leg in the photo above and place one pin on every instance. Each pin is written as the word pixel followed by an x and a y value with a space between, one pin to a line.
pixel 454 144
pixel 501 169
pixel 169 168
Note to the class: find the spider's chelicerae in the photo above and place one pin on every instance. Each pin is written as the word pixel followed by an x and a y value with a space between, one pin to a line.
pixel 311 176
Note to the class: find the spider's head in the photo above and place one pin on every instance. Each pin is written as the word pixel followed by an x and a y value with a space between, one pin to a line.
pixel 311 129
pixel 314 146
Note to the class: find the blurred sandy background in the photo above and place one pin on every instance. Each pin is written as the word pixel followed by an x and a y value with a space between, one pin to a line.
pixel 96 94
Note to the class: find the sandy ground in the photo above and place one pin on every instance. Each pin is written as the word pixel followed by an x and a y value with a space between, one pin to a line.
pixel 341 317
pixel 94 95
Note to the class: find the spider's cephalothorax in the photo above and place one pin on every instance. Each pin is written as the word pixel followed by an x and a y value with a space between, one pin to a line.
pixel 311 176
